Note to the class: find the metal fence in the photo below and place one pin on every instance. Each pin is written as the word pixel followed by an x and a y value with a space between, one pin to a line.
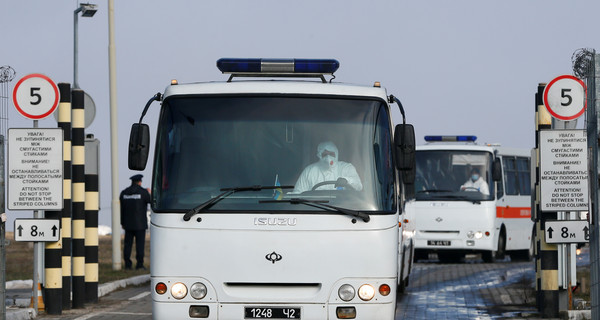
pixel 7 74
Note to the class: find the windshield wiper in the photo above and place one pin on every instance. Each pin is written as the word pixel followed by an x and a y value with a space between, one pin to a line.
pixel 226 193
pixel 433 191
pixel 453 196
pixel 321 205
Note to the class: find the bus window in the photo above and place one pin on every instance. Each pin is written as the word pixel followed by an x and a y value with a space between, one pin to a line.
pixel 524 175
pixel 510 176
pixel 517 175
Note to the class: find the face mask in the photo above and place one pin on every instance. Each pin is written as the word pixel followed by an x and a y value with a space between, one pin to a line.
pixel 328 161
pixel 474 177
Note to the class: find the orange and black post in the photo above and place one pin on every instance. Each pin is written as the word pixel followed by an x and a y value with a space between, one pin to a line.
pixel 92 205
pixel 546 254
pixel 78 185
pixel 54 261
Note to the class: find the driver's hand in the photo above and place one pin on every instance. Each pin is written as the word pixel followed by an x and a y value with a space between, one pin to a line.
pixel 341 182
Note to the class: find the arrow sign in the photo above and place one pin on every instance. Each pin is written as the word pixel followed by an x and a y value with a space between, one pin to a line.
pixel 37 230
pixel 567 231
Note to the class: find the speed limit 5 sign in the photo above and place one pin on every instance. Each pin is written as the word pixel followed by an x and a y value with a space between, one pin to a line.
pixel 36 96
pixel 564 97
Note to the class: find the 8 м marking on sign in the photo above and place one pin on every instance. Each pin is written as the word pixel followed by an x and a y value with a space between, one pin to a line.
pixel 37 230
pixel 567 231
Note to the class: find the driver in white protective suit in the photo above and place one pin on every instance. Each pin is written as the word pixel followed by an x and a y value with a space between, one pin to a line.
pixel 476 183
pixel 341 174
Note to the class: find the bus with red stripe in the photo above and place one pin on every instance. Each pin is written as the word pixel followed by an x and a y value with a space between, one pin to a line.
pixel 471 198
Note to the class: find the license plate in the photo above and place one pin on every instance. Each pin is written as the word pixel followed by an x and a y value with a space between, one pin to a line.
pixel 271 313
pixel 438 242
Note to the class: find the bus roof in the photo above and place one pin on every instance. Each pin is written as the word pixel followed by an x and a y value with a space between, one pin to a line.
pixel 524 152
pixel 276 87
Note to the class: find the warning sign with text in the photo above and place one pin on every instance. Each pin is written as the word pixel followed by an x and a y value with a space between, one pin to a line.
pixel 563 170
pixel 35 169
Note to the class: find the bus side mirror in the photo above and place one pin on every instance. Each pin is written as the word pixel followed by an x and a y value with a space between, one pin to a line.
pixel 497 170
pixel 139 146
pixel 404 143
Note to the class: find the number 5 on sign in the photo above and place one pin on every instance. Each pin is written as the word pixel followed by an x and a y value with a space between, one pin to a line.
pixel 36 96
pixel 564 97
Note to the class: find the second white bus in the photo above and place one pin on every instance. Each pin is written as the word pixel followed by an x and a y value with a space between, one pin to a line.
pixel 452 218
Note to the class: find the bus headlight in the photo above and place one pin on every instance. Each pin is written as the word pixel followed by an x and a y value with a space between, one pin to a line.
pixel 198 291
pixel 470 234
pixel 366 292
pixel 478 235
pixel 346 292
pixel 179 291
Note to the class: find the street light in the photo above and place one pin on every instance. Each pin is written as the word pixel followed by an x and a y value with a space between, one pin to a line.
pixel 87 10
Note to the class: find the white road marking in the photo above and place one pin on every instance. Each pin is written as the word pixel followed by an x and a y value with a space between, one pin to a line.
pixel 139 296
pixel 91 315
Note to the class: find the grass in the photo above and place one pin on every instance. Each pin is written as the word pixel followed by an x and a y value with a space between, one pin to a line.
pixel 19 260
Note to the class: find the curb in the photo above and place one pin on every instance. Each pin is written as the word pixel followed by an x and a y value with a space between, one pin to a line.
pixel 18 309
pixel 576 314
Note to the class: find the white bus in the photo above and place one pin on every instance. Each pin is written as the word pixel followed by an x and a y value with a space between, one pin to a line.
pixel 235 236
pixel 471 198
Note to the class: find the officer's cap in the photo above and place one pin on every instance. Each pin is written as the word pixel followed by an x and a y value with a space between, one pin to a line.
pixel 137 177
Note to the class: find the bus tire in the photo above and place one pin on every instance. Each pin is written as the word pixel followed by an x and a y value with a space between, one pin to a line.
pixel 499 254
pixel 400 288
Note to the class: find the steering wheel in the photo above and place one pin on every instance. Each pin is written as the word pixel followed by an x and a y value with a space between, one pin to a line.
pixel 470 189
pixel 345 184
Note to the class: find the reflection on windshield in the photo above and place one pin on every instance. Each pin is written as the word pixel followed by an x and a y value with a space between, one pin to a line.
pixel 209 143
pixel 453 175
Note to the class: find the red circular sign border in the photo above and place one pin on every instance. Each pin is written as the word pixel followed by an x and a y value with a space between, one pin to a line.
pixel 54 105
pixel 554 114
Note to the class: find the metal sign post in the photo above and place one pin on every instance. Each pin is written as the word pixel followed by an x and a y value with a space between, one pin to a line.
pixel 35 170
pixel 563 191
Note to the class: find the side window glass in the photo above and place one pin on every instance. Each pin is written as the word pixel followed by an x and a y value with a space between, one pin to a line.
pixel 500 191
pixel 510 176
pixel 524 176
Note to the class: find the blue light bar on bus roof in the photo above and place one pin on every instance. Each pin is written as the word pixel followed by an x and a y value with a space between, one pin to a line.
pixel 312 66
pixel 450 138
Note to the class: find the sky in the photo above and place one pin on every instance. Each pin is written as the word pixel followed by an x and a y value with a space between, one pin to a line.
pixel 459 67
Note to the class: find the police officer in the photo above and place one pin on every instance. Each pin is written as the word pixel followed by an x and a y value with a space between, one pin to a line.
pixel 134 202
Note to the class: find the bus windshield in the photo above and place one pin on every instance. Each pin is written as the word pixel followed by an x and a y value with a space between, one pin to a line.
pixel 453 175
pixel 231 153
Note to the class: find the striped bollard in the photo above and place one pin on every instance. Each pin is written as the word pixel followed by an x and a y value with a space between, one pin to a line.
pixel 78 185
pixel 547 257
pixel 53 253
pixel 91 219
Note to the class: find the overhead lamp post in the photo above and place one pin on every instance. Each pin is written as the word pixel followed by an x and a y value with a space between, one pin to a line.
pixel 87 10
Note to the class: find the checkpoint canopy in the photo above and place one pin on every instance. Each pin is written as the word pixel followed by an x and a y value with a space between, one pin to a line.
pixel 35 169
pixel 563 170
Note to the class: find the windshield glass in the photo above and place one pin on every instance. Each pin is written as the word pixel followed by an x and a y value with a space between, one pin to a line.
pixel 454 175
pixel 336 150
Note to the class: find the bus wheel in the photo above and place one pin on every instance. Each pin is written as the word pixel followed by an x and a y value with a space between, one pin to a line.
pixel 493 255
pixel 501 253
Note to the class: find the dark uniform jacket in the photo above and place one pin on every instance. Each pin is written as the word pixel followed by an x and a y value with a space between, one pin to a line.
pixel 134 204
